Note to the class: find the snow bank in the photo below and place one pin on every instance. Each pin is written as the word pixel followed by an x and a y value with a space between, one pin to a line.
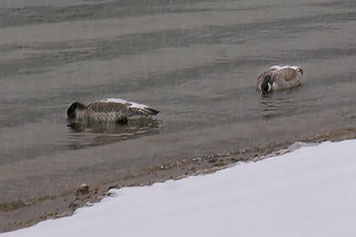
pixel 308 192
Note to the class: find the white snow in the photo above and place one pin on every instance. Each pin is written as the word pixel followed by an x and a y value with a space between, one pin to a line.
pixel 130 104
pixel 308 192
pixel 278 67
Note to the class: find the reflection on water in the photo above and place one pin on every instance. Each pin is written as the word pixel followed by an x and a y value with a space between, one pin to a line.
pixel 286 103
pixel 83 135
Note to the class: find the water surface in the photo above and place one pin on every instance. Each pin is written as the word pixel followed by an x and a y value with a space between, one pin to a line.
pixel 195 61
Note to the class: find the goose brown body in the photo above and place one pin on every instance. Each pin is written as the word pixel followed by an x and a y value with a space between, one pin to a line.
pixel 112 110
pixel 281 77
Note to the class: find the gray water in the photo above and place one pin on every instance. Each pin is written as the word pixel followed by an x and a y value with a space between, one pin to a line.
pixel 195 61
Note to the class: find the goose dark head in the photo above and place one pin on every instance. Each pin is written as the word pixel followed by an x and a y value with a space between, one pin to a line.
pixel 73 109
pixel 266 85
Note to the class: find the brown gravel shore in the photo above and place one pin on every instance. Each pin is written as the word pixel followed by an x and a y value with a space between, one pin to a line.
pixel 23 213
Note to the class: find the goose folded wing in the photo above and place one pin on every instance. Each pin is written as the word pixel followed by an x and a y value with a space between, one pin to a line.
pixel 287 74
pixel 126 109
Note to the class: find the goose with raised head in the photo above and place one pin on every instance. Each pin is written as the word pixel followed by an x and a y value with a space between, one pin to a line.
pixel 279 78
pixel 109 110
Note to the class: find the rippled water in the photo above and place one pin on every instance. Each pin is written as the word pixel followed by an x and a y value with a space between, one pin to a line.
pixel 195 61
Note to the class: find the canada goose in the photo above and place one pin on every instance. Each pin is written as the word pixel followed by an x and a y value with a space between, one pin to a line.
pixel 278 78
pixel 109 110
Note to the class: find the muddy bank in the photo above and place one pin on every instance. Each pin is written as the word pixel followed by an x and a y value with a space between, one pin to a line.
pixel 23 213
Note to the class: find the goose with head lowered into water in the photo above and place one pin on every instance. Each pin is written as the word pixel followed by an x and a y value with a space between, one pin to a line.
pixel 109 110
pixel 279 78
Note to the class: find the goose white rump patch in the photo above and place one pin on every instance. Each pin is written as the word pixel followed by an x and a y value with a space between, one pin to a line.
pixel 278 67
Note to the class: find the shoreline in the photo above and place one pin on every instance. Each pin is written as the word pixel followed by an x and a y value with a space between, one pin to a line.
pixel 23 213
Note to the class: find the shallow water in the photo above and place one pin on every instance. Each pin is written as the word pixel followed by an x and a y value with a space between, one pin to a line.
pixel 195 61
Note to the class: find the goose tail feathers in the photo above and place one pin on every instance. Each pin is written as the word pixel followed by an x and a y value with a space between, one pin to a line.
pixel 144 109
